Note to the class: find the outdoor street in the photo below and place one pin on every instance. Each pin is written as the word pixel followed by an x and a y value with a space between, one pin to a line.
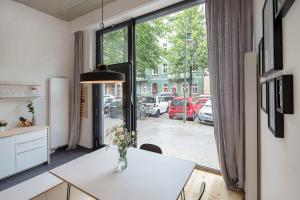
pixel 191 140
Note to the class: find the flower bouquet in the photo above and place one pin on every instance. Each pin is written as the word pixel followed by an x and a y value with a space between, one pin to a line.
pixel 122 138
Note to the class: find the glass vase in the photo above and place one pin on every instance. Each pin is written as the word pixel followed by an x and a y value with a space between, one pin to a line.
pixel 122 161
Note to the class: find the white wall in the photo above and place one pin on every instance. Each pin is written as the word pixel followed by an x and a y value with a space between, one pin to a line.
pixel 280 161
pixel 250 132
pixel 33 47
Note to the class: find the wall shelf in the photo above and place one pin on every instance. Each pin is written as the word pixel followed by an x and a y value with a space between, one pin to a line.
pixel 19 91
pixel 29 97
pixel 19 84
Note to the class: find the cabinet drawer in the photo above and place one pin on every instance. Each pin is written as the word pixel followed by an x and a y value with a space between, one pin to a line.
pixel 31 136
pixel 31 144
pixel 31 158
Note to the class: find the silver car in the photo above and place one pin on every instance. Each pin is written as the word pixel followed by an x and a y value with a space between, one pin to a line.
pixel 205 113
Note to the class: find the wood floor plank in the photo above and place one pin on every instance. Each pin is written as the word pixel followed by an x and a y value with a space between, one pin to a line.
pixel 215 187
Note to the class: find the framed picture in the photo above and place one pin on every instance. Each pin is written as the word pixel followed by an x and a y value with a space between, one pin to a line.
pixel 275 118
pixel 272 39
pixel 261 57
pixel 264 96
pixel 285 94
pixel 282 7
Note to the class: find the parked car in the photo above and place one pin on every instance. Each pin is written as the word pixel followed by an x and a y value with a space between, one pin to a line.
pixel 177 108
pixel 167 95
pixel 155 105
pixel 116 109
pixel 205 113
pixel 107 100
pixel 202 99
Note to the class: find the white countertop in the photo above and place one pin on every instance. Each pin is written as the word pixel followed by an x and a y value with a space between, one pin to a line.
pixel 148 176
pixel 21 130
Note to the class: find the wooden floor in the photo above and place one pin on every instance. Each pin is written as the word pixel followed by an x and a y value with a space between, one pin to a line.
pixel 215 187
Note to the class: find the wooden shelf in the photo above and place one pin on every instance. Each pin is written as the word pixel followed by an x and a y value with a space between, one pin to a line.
pixel 32 97
pixel 19 84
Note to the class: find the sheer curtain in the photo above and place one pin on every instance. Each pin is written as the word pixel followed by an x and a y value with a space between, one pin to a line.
pixel 74 134
pixel 229 26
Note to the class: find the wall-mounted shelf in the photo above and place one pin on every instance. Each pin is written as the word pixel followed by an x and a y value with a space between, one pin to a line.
pixel 31 97
pixel 19 91
pixel 19 84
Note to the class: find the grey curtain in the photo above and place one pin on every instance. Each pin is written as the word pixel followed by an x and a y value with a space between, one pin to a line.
pixel 229 26
pixel 74 134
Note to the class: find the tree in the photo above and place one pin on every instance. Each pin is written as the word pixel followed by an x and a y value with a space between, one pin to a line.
pixel 115 47
pixel 192 21
pixel 149 53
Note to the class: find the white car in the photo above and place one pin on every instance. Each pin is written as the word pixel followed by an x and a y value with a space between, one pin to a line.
pixel 205 113
pixel 156 105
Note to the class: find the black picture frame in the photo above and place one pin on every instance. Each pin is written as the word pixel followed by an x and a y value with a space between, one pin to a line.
pixel 282 7
pixel 261 57
pixel 264 96
pixel 275 118
pixel 285 94
pixel 272 39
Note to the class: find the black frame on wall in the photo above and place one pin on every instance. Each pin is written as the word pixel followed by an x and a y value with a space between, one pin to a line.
pixel 272 39
pixel 275 118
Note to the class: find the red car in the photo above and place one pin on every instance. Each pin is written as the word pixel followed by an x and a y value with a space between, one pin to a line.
pixel 203 99
pixel 177 107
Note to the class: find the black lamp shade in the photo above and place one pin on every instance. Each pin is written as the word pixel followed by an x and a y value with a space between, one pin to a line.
pixel 102 75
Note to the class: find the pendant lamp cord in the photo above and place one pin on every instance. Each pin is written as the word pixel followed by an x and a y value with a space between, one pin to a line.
pixel 102 24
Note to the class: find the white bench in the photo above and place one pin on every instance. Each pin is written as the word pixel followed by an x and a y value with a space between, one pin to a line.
pixel 44 186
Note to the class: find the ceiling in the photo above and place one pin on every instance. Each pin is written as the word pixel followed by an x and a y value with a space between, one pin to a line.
pixel 65 9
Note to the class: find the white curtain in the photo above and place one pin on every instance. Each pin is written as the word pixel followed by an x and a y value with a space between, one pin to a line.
pixel 74 134
pixel 229 24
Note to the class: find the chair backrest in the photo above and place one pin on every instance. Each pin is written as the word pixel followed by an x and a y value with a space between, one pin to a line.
pixel 151 147
pixel 202 189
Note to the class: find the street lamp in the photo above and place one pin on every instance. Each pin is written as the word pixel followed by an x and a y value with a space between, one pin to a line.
pixel 188 38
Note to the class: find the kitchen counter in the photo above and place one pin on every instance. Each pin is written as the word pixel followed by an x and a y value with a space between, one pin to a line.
pixel 21 130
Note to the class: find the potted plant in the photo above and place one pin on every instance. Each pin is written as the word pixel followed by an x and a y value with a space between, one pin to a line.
pixel 122 138
pixel 31 110
pixel 3 125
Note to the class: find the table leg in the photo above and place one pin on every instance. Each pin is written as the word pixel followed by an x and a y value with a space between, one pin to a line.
pixel 68 191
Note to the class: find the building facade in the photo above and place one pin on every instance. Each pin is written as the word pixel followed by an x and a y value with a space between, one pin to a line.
pixel 153 82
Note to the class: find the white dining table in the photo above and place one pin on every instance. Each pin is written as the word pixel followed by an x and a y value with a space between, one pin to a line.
pixel 148 176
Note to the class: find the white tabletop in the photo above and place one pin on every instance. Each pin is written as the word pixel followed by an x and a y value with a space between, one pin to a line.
pixel 149 176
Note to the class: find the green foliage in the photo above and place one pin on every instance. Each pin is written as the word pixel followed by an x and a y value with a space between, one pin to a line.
pixel 149 53
pixel 115 47
pixel 188 21
pixel 30 107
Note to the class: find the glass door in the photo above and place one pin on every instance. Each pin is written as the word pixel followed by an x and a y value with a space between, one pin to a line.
pixel 112 102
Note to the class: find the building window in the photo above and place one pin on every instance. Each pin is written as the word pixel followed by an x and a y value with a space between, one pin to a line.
pixel 165 45
pixel 118 90
pixel 174 89
pixel 165 68
pixel 165 89
pixel 195 88
pixel 144 88
pixel 155 71
pixel 194 68
pixel 185 88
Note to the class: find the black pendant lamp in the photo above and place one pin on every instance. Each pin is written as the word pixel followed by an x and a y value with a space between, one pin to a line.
pixel 101 74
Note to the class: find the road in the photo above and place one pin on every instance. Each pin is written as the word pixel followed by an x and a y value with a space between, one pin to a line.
pixel 190 141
